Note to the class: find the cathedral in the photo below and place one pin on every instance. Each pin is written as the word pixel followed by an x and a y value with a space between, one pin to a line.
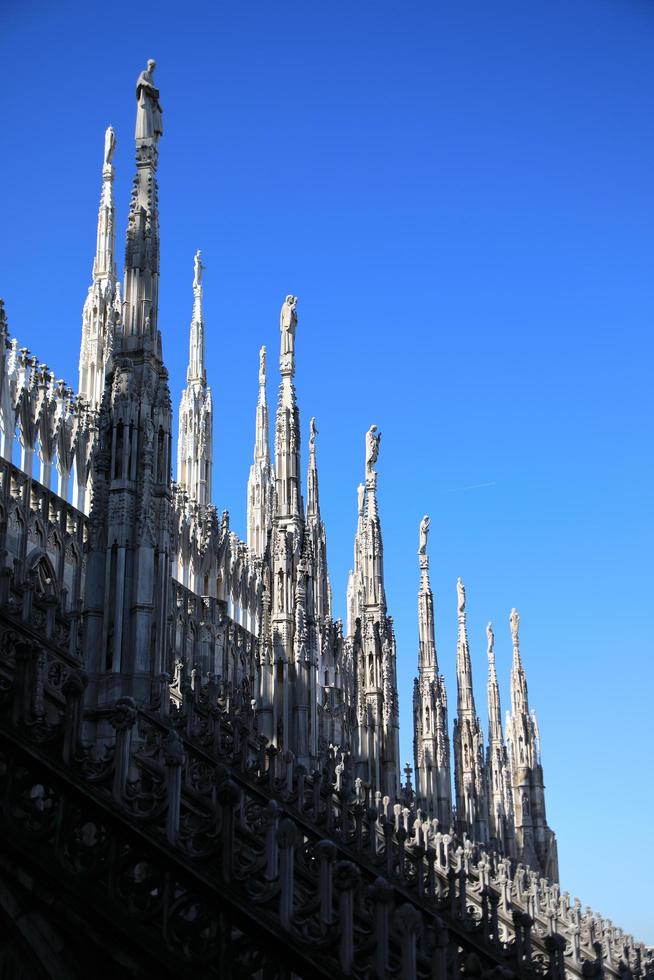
pixel 199 764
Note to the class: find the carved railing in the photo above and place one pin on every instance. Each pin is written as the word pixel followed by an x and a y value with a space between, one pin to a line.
pixel 223 850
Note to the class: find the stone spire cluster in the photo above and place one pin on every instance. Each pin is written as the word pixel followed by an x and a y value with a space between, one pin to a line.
pixel 147 649
pixel 499 791
pixel 254 619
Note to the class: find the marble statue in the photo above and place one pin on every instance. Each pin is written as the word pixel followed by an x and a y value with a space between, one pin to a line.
pixel 514 621
pixel 262 366
pixel 372 448
pixel 288 323
pixel 149 124
pixel 109 146
pixel 313 432
pixel 461 596
pixel 197 269
pixel 491 638
pixel 424 534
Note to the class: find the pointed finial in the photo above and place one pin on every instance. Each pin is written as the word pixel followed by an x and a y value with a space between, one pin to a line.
pixel 461 596
pixel 514 622
pixel 491 643
pixel 262 367
pixel 197 269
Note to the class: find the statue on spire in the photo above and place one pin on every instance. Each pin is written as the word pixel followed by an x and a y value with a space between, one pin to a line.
pixel 424 534
pixel 372 448
pixel 149 124
pixel 197 269
pixel 262 366
pixel 514 622
pixel 313 432
pixel 109 146
pixel 287 324
pixel 491 642
pixel 461 596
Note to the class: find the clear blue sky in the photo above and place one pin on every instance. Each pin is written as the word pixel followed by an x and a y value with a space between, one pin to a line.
pixel 461 195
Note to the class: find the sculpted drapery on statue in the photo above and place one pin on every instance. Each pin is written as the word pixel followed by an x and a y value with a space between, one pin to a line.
pixel 514 622
pixel 109 146
pixel 197 269
pixel 491 640
pixel 262 366
pixel 424 534
pixel 372 448
pixel 461 596
pixel 287 324
pixel 149 124
pixel 313 432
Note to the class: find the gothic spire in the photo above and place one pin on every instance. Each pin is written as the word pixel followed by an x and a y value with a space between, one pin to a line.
pixel 195 434
pixel 313 499
pixel 431 744
pixel 465 694
pixel 500 803
pixel 288 499
pixel 535 842
pixel 261 479
pixel 100 312
pixel 378 727
pixel 141 293
pixel 494 708
pixel 469 764
pixel 519 699
pixel 316 531
pixel 427 661
pixel 196 369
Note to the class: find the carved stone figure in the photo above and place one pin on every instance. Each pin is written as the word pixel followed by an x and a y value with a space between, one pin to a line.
pixel 372 448
pixel 461 596
pixel 491 638
pixel 109 146
pixel 197 269
pixel 149 124
pixel 262 366
pixel 288 323
pixel 424 534
pixel 313 432
pixel 514 622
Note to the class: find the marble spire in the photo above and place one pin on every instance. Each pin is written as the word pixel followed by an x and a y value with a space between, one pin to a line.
pixel 141 292
pixel 316 531
pixel 373 641
pixel 469 766
pixel 195 434
pixel 261 482
pixel 288 490
pixel 535 842
pixel 431 739
pixel 500 800
pixel 130 549
pixel 101 312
